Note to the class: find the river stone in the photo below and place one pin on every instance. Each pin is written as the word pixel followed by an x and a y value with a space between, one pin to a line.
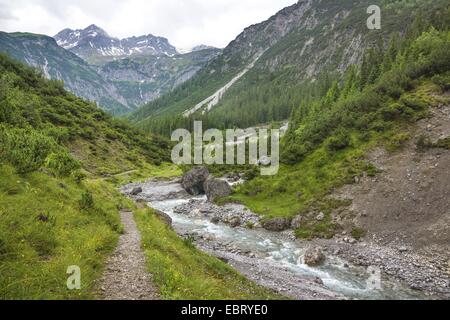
pixel 297 222
pixel 314 257
pixel 136 191
pixel 164 217
pixel 320 216
pixel 215 188
pixel 276 224
pixel 215 219
pixel 235 222
pixel 193 180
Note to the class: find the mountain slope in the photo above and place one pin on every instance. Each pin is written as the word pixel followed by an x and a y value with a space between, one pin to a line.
pixel 60 158
pixel 93 45
pixel 117 86
pixel 57 63
pixel 298 44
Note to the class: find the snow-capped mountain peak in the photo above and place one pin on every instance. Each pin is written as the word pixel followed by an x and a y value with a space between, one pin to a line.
pixel 94 43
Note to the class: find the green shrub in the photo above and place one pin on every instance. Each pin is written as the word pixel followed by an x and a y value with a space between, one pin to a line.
pixel 397 141
pixel 443 81
pixel 25 149
pixel 251 173
pixel 358 233
pixel 443 143
pixel 395 111
pixel 62 163
pixel 339 141
pixel 414 102
pixel 87 201
pixel 423 142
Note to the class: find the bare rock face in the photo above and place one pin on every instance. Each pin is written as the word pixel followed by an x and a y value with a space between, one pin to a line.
pixel 194 180
pixel 277 224
pixel 215 188
pixel 314 257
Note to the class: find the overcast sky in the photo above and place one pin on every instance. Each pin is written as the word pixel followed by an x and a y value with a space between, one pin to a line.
pixel 185 23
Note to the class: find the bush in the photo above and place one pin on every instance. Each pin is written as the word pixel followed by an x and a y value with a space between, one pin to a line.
pixel 25 149
pixel 251 174
pixel 395 111
pixel 62 163
pixel 87 201
pixel 443 81
pixel 358 233
pixel 397 141
pixel 414 103
pixel 339 141
pixel 423 143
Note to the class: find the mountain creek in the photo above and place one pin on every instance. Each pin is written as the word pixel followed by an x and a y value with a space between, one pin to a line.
pixel 275 259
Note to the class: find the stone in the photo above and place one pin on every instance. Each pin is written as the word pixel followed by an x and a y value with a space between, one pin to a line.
pixel 216 188
pixel 320 216
pixel 164 217
pixel 194 180
pixel 314 257
pixel 136 191
pixel 297 222
pixel 235 222
pixel 403 249
pixel 276 224
pixel 215 220
pixel 318 281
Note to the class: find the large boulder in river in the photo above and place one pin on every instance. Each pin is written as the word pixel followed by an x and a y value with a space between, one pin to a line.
pixel 194 180
pixel 314 257
pixel 277 224
pixel 216 188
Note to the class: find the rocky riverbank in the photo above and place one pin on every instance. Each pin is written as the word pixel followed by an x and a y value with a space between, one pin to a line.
pixel 245 250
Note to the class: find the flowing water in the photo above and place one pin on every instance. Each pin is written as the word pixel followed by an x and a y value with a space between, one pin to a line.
pixel 337 275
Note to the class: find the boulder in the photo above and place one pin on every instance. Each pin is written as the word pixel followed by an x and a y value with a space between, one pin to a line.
pixel 164 217
pixel 277 224
pixel 215 188
pixel 194 180
pixel 136 191
pixel 314 257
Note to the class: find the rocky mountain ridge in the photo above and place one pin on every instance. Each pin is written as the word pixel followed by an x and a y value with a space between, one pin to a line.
pixel 93 44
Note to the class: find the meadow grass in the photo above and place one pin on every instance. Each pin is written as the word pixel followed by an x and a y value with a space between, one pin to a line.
pixel 44 230
pixel 183 272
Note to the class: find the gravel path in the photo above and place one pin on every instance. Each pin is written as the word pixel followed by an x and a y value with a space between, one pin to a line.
pixel 126 277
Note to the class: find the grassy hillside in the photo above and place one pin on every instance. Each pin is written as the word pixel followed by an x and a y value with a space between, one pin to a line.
pixel 60 161
pixel 376 105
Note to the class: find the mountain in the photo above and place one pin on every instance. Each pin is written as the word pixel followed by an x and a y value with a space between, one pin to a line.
pixel 202 47
pixel 262 74
pixel 141 79
pixel 118 86
pixel 57 63
pixel 93 44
